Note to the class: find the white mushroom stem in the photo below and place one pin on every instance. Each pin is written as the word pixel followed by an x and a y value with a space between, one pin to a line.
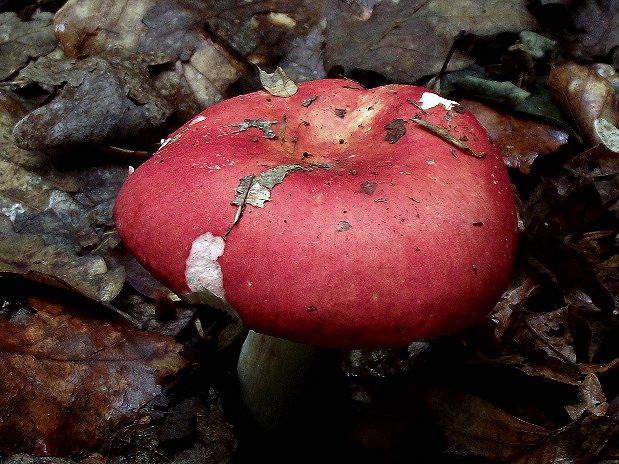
pixel 273 374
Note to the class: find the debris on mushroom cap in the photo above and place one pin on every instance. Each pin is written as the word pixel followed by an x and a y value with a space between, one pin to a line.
pixel 326 229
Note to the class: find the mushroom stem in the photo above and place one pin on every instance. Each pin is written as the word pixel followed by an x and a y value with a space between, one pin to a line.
pixel 273 374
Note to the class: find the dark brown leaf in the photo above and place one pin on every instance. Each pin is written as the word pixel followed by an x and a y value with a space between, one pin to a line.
pixel 592 399
pixel 599 23
pixel 72 375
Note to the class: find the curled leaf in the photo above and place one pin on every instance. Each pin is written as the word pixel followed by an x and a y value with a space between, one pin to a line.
pixel 585 96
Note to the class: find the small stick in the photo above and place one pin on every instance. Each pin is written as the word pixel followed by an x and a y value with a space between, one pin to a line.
pixel 241 208
pixel 454 45
pixel 445 135
pixel 416 105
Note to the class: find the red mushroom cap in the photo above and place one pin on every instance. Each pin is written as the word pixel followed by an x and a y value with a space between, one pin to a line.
pixel 361 227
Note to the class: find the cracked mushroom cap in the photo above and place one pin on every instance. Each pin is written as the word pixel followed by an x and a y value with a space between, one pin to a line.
pixel 338 216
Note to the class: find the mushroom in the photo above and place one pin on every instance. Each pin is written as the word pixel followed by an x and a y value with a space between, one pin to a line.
pixel 337 217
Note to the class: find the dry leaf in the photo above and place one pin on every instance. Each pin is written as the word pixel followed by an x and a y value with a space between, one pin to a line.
pixel 278 83
pixel 599 23
pixel 28 256
pixel 303 60
pixel 72 375
pixel 607 133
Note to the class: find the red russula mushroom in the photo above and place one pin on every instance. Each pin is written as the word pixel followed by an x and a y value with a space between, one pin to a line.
pixel 339 216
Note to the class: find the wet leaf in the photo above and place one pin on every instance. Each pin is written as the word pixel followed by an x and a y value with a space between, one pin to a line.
pixel 534 44
pixel 407 40
pixel 20 41
pixel 521 140
pixel 73 374
pixel 498 91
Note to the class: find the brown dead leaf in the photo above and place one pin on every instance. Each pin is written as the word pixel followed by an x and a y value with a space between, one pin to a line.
pixel 592 399
pixel 188 68
pixel 98 101
pixel 72 375
pixel 404 41
pixel 20 41
pixel 521 140
pixel 476 427
pixel 585 96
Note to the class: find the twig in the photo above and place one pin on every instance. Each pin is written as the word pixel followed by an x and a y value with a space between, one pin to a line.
pixel 445 135
pixel 416 105
pixel 439 75
pixel 241 208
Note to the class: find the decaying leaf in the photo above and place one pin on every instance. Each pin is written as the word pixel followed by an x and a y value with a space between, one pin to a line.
pixel 534 44
pixel 256 190
pixel 304 60
pixel 407 40
pixel 521 140
pixel 20 41
pixel 192 70
pixel 72 375
pixel 278 83
pixel 102 101
pixel 395 130
pixel 265 126
pixel 498 91
pixel 585 96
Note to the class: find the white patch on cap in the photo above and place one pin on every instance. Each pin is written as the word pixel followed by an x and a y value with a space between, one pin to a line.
pixel 430 100
pixel 203 273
